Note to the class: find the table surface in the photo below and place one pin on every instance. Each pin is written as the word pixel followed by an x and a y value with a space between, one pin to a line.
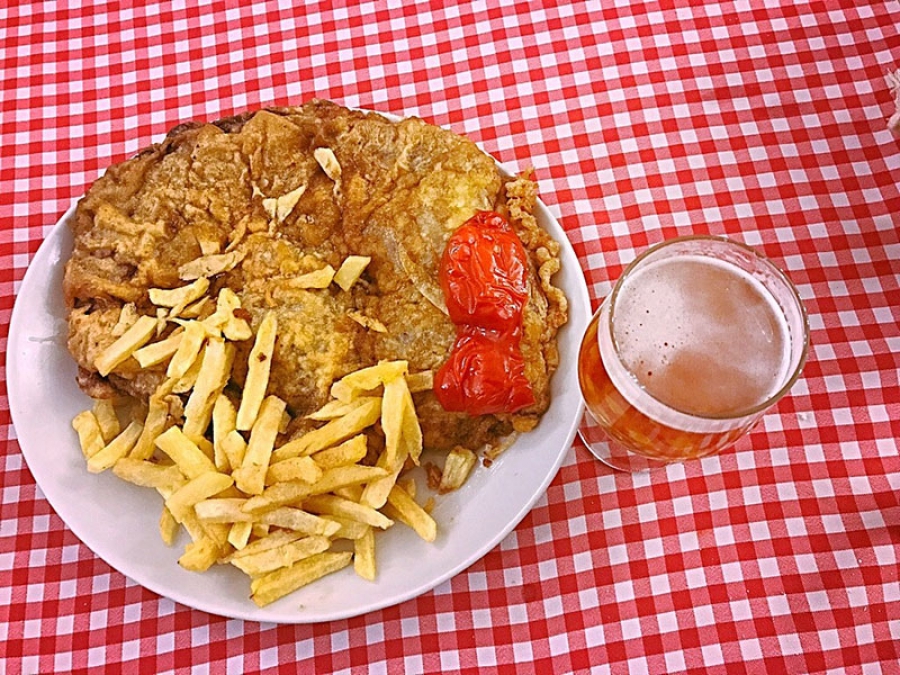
pixel 765 124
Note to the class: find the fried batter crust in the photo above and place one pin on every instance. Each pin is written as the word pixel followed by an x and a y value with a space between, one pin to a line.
pixel 402 189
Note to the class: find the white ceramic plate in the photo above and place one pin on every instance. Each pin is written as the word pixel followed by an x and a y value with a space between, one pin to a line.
pixel 118 521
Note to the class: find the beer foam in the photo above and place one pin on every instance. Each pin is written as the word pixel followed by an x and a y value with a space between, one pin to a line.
pixel 701 336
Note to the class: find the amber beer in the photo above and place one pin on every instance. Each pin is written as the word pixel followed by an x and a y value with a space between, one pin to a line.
pixel 698 339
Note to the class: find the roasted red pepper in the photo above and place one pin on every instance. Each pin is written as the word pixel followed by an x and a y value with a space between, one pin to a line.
pixel 484 278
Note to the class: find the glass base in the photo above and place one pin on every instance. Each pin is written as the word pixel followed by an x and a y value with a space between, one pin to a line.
pixel 610 452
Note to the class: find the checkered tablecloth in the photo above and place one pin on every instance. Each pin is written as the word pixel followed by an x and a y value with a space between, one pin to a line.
pixel 765 122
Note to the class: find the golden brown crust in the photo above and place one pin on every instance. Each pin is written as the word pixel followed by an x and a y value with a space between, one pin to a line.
pixel 403 188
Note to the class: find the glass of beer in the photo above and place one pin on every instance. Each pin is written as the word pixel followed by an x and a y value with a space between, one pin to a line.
pixel 699 338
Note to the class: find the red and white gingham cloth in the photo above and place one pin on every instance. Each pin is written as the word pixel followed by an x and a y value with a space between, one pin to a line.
pixel 763 123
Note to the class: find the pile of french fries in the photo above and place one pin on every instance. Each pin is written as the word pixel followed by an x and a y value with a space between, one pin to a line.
pixel 284 511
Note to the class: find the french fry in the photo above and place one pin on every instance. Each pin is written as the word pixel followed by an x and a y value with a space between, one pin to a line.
pixel 197 489
pixel 222 510
pixel 348 529
pixel 157 352
pixel 258 366
pixel 168 527
pixel 131 340
pixel 334 409
pixel 411 432
pixel 234 446
pixel 364 555
pixel 185 383
pixel 457 467
pixel 392 411
pixel 224 419
pixel 127 316
pixel 250 477
pixel 146 474
pixel 198 309
pixel 188 349
pixel 179 298
pixel 349 452
pixel 224 320
pixel 333 432
pixel 299 520
pixel 270 587
pixel 376 491
pixel 190 459
pixel 105 412
pixel 214 375
pixel 266 543
pixel 154 425
pixel 351 270
pixel 367 379
pixel 413 514
pixel 368 322
pixel 200 555
pixel 90 436
pixel 239 535
pixel 338 506
pixel 283 556
pixel 320 278
pixel 115 449
pixel 303 469
pixel 209 265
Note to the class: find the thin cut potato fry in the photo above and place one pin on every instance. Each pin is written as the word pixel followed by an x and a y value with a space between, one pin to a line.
pixel 277 584
pixel 376 492
pixel 349 529
pixel 127 316
pixel 157 352
pixel 364 555
pixel 266 543
pixel 457 467
pixel 334 432
pixel 131 340
pixel 367 379
pixel 199 556
pixel 276 558
pixel 296 468
pixel 258 365
pixel 222 510
pixel 105 412
pixel 411 432
pixel 334 409
pixel 90 436
pixel 190 459
pixel 349 452
pixel 115 449
pixel 185 383
pixel 239 535
pixel 146 474
pixel 224 418
pixel 317 279
pixel 250 477
pixel 188 349
pixel 299 520
pixel 392 407
pixel 350 271
pixel 337 506
pixel 214 375
pixel 179 297
pixel 154 425
pixel 413 514
pixel 168 527
pixel 196 490
pixel 234 446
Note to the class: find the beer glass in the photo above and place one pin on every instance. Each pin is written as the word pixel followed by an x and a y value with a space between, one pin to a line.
pixel 699 338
